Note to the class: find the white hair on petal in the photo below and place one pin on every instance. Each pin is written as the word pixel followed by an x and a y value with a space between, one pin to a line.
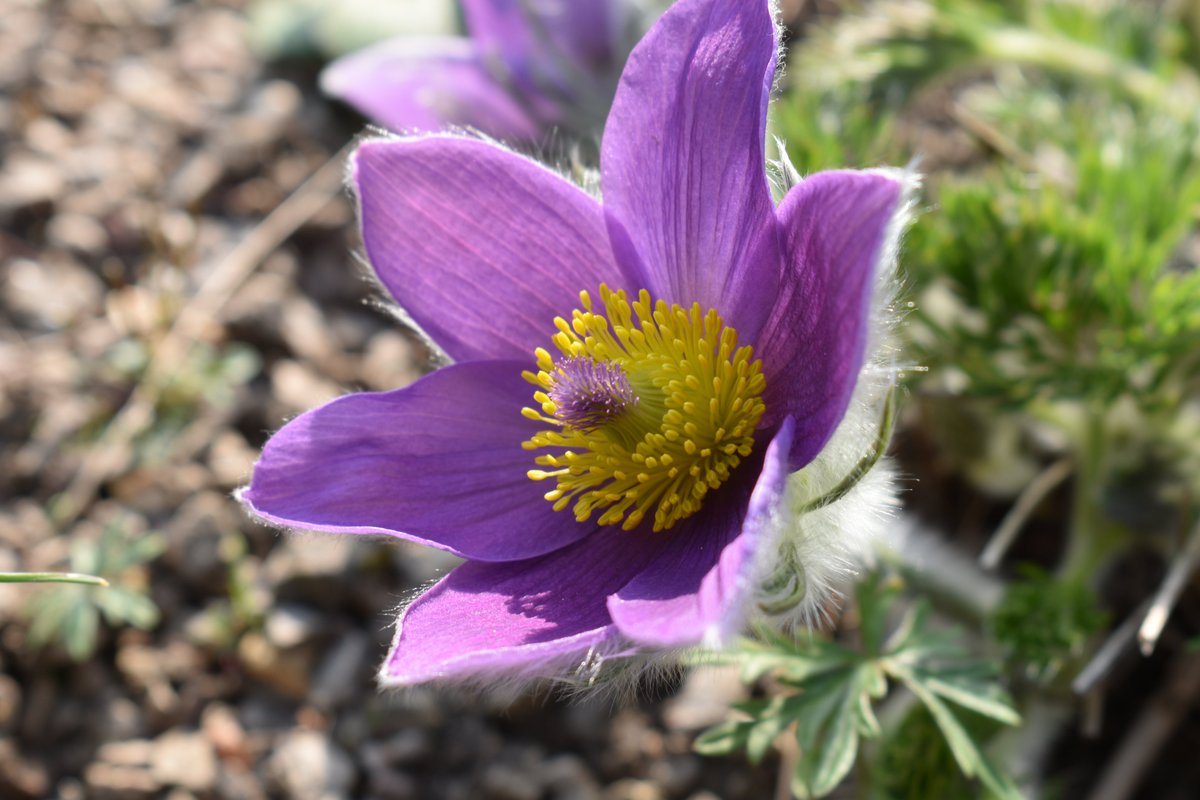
pixel 613 671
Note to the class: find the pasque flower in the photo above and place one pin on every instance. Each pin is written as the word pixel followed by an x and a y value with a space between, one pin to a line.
pixel 525 68
pixel 633 380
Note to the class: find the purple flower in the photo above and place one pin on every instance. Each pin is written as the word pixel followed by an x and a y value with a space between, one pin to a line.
pixel 526 67
pixel 634 381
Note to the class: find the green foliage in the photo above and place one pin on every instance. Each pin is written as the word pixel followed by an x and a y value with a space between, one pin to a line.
pixel 1061 272
pixel 835 130
pixel 895 48
pixel 224 620
pixel 311 29
pixel 1069 286
pixel 1044 623
pixel 207 380
pixel 70 614
pixel 915 763
pixel 829 691
pixel 209 376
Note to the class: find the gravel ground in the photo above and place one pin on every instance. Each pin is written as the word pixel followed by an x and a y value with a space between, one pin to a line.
pixel 156 322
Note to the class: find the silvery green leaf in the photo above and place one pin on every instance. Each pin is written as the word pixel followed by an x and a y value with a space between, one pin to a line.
pixel 723 739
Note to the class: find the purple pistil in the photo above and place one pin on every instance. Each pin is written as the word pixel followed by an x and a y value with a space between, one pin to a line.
pixel 589 394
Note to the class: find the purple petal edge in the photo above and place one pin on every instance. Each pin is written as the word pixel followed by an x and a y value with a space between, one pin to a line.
pixel 696 590
pixel 411 85
pixel 439 462
pixel 481 247
pixel 544 617
pixel 682 161
pixel 835 226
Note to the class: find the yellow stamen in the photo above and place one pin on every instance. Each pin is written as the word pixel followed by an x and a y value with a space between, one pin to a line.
pixel 652 407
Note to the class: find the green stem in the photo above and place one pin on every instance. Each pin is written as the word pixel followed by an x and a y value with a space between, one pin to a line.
pixel 1089 540
pixel 51 577
pixel 865 464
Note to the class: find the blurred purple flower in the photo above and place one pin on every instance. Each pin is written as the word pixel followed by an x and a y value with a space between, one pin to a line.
pixel 714 348
pixel 527 66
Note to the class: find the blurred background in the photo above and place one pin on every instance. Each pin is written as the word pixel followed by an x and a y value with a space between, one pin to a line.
pixel 179 277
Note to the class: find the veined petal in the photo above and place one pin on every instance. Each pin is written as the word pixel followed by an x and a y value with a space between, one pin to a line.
pixel 537 618
pixel 439 462
pixel 412 85
pixel 685 187
pixel 697 588
pixel 483 248
pixel 834 225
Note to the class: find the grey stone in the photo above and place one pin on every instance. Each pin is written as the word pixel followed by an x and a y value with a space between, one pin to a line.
pixel 194 540
pixel 408 747
pixel 506 782
pixel 119 782
pixel 634 789
pixel 705 699
pixel 288 672
pixel 389 784
pixel 53 292
pixel 390 361
pixel 130 753
pixel 224 731
pixel 316 560
pixel 77 232
pixel 308 766
pixel 298 387
pixel 185 759
pixel 231 459
pixel 338 676
pixel 29 180
pixel 676 773
pixel 291 625
pixel 121 718
pixel 567 777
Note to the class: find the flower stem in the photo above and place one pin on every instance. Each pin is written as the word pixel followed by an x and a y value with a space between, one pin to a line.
pixel 1088 541
pixel 887 425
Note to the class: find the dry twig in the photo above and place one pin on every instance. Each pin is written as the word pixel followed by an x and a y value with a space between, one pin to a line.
pixel 1168 593
pixel 1018 515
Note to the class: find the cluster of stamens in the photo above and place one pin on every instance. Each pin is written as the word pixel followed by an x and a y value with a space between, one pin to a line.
pixel 650 408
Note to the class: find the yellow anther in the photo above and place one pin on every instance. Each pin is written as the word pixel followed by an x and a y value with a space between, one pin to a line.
pixel 650 407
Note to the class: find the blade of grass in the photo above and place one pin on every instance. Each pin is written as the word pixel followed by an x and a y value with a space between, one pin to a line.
pixel 51 577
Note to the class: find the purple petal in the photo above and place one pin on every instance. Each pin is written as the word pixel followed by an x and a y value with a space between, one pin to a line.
pixel 683 160
pixel 586 32
pixel 541 40
pixel 483 248
pixel 439 462
pixel 501 29
pixel 413 85
pixel 696 590
pixel 539 617
pixel 813 346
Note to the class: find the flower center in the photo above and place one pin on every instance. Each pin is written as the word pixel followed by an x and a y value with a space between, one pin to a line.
pixel 651 407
